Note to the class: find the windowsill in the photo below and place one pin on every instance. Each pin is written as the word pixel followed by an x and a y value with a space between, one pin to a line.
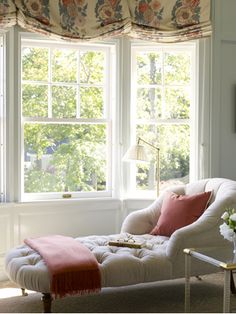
pixel 140 197
pixel 69 200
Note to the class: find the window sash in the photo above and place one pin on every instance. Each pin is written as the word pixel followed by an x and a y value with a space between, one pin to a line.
pixel 105 120
pixel 136 48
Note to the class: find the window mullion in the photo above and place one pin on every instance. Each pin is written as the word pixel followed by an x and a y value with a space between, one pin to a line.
pixel 163 88
pixel 50 82
pixel 78 86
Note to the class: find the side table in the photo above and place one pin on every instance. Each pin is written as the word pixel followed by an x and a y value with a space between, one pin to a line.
pixel 227 266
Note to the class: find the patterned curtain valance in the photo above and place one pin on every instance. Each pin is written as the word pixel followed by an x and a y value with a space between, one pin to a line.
pixel 7 13
pixel 157 20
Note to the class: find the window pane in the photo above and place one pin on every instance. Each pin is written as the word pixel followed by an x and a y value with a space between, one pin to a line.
pixel 149 68
pixel 173 141
pixel 63 102
pixel 177 101
pixel 34 100
pixel 91 102
pixel 92 65
pixel 177 68
pixel 174 152
pixel 148 103
pixel 35 64
pixel 65 158
pixel 64 65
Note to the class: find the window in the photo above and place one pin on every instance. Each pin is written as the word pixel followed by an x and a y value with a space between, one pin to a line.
pixel 75 105
pixel 162 94
pixel 2 122
pixel 66 101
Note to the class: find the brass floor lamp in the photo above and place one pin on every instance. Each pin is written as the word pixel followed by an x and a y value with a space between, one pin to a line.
pixel 138 153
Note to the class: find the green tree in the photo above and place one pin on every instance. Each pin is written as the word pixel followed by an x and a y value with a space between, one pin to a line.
pixel 163 95
pixel 63 157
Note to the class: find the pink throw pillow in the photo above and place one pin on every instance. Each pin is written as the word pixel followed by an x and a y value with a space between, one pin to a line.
pixel 178 211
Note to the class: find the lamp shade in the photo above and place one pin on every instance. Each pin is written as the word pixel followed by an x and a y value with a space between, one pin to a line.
pixel 136 153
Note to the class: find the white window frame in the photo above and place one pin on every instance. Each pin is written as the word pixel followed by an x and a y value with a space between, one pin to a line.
pixel 194 122
pixel 121 114
pixel 110 103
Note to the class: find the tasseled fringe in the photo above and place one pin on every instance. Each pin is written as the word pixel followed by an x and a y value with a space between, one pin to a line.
pixel 71 283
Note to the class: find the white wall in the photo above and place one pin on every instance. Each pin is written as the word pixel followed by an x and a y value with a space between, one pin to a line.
pixel 223 106
pixel 66 217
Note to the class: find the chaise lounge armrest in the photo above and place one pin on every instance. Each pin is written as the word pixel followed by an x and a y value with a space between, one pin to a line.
pixel 202 233
pixel 144 220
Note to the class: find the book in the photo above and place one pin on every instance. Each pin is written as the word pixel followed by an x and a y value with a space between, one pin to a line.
pixel 134 245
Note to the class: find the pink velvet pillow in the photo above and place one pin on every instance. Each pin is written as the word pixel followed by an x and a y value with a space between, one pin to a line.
pixel 178 211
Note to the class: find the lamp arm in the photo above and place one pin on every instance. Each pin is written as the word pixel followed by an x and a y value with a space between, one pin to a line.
pixel 155 147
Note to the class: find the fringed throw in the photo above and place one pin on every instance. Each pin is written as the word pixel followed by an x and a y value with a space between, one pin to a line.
pixel 73 267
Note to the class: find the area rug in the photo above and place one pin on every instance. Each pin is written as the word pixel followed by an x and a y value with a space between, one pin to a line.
pixel 161 297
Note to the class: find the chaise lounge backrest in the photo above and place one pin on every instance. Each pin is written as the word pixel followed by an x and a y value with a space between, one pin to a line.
pixel 204 232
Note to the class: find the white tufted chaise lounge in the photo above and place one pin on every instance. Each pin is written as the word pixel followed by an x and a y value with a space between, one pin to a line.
pixel 161 259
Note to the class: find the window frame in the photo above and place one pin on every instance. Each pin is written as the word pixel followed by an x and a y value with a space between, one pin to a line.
pixel 193 47
pixel 110 49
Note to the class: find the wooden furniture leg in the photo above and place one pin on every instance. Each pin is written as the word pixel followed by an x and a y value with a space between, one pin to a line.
pixel 24 294
pixel 47 302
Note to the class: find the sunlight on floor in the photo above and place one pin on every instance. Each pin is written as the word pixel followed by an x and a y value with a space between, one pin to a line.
pixel 11 292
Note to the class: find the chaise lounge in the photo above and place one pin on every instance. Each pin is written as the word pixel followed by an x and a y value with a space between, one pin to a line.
pixel 160 258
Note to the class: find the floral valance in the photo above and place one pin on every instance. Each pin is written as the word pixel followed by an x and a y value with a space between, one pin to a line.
pixel 157 20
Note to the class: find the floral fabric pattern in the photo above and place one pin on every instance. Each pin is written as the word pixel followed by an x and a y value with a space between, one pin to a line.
pixel 156 20
pixel 73 16
pixel 149 12
pixel 38 9
pixel 7 13
pixel 186 12
pixel 108 12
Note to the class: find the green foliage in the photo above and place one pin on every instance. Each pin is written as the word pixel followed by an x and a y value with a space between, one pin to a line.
pixel 169 98
pixel 63 102
pixel 177 102
pixel 149 103
pixel 92 67
pixel 35 64
pixel 76 157
pixel 177 68
pixel 91 102
pixel 63 157
pixel 173 141
pixel 64 65
pixel 149 68
pixel 35 100
pixel 72 157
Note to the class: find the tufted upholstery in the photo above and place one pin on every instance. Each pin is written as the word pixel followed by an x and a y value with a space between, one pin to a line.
pixel 162 258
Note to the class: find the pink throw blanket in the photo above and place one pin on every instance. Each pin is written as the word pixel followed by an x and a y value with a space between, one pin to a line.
pixel 73 267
